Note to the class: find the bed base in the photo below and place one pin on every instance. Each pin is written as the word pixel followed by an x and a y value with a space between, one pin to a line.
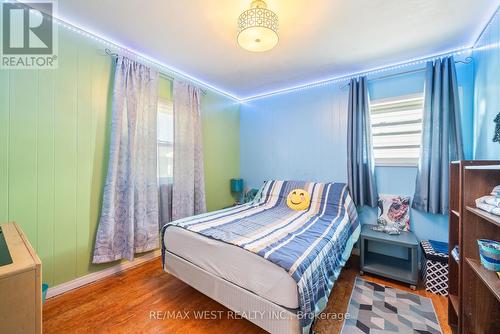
pixel 271 317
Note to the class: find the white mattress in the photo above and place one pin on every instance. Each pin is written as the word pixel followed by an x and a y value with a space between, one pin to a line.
pixel 235 265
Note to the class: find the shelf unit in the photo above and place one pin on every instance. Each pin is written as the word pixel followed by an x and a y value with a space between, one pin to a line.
pixel 486 215
pixel 401 269
pixel 472 302
pixel 487 276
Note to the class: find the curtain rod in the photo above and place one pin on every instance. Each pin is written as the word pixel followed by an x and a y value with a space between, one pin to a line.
pixel 467 60
pixel 171 78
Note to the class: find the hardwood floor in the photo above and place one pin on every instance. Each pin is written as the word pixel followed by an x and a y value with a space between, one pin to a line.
pixel 137 300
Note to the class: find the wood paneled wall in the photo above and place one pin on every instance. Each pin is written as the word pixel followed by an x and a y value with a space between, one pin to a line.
pixel 54 139
pixel 53 149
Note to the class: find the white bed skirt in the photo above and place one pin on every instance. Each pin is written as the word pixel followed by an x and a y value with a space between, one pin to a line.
pixel 265 314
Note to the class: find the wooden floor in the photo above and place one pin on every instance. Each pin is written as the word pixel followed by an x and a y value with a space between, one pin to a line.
pixel 129 302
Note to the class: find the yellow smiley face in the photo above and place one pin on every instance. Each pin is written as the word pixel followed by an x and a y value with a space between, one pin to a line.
pixel 298 199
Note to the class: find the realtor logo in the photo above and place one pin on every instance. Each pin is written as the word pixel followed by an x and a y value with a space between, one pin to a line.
pixel 28 35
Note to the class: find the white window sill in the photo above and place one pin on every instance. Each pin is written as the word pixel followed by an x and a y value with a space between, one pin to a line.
pixel 386 164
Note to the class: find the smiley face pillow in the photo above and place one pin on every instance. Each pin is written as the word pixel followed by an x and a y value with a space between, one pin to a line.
pixel 298 199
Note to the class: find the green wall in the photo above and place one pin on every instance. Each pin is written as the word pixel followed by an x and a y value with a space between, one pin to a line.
pixel 221 140
pixel 54 130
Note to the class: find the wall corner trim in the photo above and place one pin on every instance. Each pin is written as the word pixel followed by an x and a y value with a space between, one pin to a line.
pixel 98 275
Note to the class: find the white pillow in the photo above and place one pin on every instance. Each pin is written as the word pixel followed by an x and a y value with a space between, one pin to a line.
pixel 394 212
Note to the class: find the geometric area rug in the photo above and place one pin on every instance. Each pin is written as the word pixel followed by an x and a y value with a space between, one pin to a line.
pixel 376 308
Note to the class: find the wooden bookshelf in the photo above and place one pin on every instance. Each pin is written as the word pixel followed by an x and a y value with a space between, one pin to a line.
pixel 453 240
pixel 455 303
pixel 468 181
pixel 479 301
pixel 486 215
pixel 488 277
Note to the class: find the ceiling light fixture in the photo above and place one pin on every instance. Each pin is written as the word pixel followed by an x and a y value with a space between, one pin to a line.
pixel 258 28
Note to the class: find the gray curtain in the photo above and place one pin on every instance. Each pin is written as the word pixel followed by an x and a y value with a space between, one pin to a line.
pixel 165 203
pixel 360 162
pixel 129 216
pixel 188 192
pixel 441 137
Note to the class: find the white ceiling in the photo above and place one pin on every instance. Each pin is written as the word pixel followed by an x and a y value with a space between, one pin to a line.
pixel 318 38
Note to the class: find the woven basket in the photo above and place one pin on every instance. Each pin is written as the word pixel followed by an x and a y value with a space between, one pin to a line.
pixel 489 252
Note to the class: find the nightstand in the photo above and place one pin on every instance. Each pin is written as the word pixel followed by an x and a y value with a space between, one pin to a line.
pixel 374 247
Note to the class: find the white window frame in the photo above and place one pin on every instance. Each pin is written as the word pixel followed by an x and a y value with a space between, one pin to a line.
pixel 402 101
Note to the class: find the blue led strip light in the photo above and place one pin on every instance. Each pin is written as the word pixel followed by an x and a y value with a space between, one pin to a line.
pixel 167 69
pixel 347 76
pixel 384 68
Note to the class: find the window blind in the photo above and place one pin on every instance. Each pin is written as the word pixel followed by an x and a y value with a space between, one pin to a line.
pixel 397 130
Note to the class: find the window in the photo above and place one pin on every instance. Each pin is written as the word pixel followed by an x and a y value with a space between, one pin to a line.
pixel 165 141
pixel 397 130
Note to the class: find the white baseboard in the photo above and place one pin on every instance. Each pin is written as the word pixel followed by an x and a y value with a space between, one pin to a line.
pixel 90 278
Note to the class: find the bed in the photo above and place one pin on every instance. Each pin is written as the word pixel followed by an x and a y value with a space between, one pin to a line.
pixel 270 264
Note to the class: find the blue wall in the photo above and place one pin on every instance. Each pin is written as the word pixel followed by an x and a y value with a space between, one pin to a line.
pixel 487 91
pixel 302 136
pixel 298 136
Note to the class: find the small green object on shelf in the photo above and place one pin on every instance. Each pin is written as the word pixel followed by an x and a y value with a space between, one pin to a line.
pixel 237 185
pixel 45 287
pixel 237 188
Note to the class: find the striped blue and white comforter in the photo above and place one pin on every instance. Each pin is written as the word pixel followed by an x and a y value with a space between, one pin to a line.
pixel 311 245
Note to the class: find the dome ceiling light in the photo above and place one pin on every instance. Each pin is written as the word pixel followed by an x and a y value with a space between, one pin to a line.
pixel 258 28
